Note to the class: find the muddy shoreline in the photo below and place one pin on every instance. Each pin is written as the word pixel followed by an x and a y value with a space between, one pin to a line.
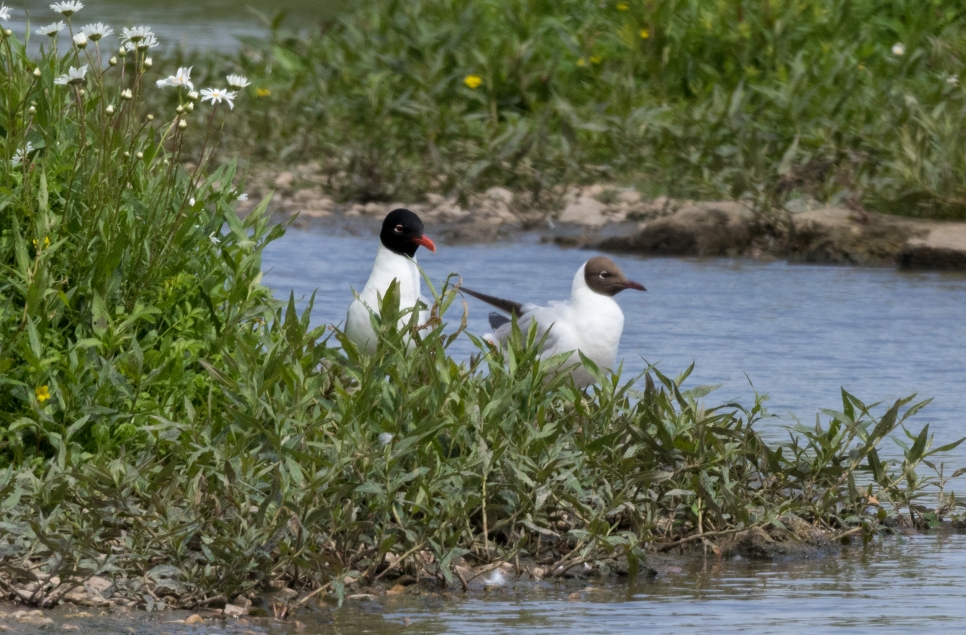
pixel 621 220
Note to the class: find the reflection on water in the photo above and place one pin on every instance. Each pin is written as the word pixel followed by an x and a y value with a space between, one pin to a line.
pixel 799 332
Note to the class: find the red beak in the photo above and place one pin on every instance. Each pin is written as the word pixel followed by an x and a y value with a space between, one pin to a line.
pixel 630 284
pixel 425 242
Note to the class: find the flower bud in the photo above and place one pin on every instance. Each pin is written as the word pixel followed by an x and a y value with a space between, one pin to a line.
pixel 193 95
pixel 81 92
pixel 80 40
pixel 109 110
pixel 127 94
pixel 182 124
pixel 150 117
pixel 8 32
pixel 112 61
pixel 179 109
pixel 139 155
pixel 37 72
pixel 122 52
pixel 189 107
pixel 126 153
pixel 32 110
pixel 147 62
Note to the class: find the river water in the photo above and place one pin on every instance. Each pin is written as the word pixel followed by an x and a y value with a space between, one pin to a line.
pixel 195 24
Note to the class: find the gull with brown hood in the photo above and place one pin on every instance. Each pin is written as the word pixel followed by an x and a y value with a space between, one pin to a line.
pixel 590 322
pixel 400 237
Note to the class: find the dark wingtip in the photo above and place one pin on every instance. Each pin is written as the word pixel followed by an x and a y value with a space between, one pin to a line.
pixel 497 320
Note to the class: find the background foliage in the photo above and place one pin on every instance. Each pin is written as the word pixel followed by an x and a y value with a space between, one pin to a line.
pixel 768 99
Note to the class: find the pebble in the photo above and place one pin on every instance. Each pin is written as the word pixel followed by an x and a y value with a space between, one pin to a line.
pixel 195 619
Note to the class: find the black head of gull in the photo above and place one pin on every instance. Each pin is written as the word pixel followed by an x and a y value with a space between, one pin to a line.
pixel 402 233
pixel 603 276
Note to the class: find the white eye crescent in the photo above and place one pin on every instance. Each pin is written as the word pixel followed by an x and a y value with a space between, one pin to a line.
pixel 399 229
pixel 604 274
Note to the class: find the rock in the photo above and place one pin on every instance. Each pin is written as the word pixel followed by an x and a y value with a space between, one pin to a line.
pixel 631 197
pixel 242 601
pixel 99 586
pixel 33 618
pixel 235 611
pixel 375 210
pixel 500 194
pixel 833 235
pixel 69 627
pixel 584 211
pixel 284 180
pixel 704 229
pixel 798 539
pixel 77 595
pixel 194 619
pixel 944 247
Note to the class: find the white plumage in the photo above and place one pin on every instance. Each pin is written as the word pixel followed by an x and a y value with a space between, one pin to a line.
pixel 589 322
pixel 387 267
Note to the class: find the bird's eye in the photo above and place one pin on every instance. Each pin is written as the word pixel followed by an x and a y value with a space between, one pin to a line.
pixel 399 229
pixel 604 275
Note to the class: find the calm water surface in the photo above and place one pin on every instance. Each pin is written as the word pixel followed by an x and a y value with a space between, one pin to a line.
pixel 916 582
pixel 190 24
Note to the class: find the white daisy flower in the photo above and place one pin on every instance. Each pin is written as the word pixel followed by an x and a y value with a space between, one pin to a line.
pixel 217 95
pixel 179 79
pixel 96 31
pixel 73 76
pixel 899 49
pixel 80 40
pixel 67 9
pixel 4 12
pixel 21 154
pixel 145 43
pixel 385 439
pixel 238 81
pixel 51 29
pixel 135 34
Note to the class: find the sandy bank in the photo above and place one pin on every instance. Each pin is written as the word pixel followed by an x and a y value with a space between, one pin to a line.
pixel 622 220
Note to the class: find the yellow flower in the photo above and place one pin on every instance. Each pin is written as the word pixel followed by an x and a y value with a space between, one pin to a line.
pixel 861 66
pixel 43 393
pixel 645 34
pixel 622 6
pixel 594 59
pixel 581 62
pixel 262 92
pixel 46 242
pixel 473 81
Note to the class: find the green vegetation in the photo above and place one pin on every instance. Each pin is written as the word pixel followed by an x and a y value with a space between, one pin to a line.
pixel 165 423
pixel 858 100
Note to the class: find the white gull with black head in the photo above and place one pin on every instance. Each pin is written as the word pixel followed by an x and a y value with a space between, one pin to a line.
pixel 401 235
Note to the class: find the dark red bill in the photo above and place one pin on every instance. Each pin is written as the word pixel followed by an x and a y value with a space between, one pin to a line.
pixel 630 284
pixel 425 242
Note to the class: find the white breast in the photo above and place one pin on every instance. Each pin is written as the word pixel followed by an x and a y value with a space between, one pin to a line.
pixel 590 323
pixel 387 267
